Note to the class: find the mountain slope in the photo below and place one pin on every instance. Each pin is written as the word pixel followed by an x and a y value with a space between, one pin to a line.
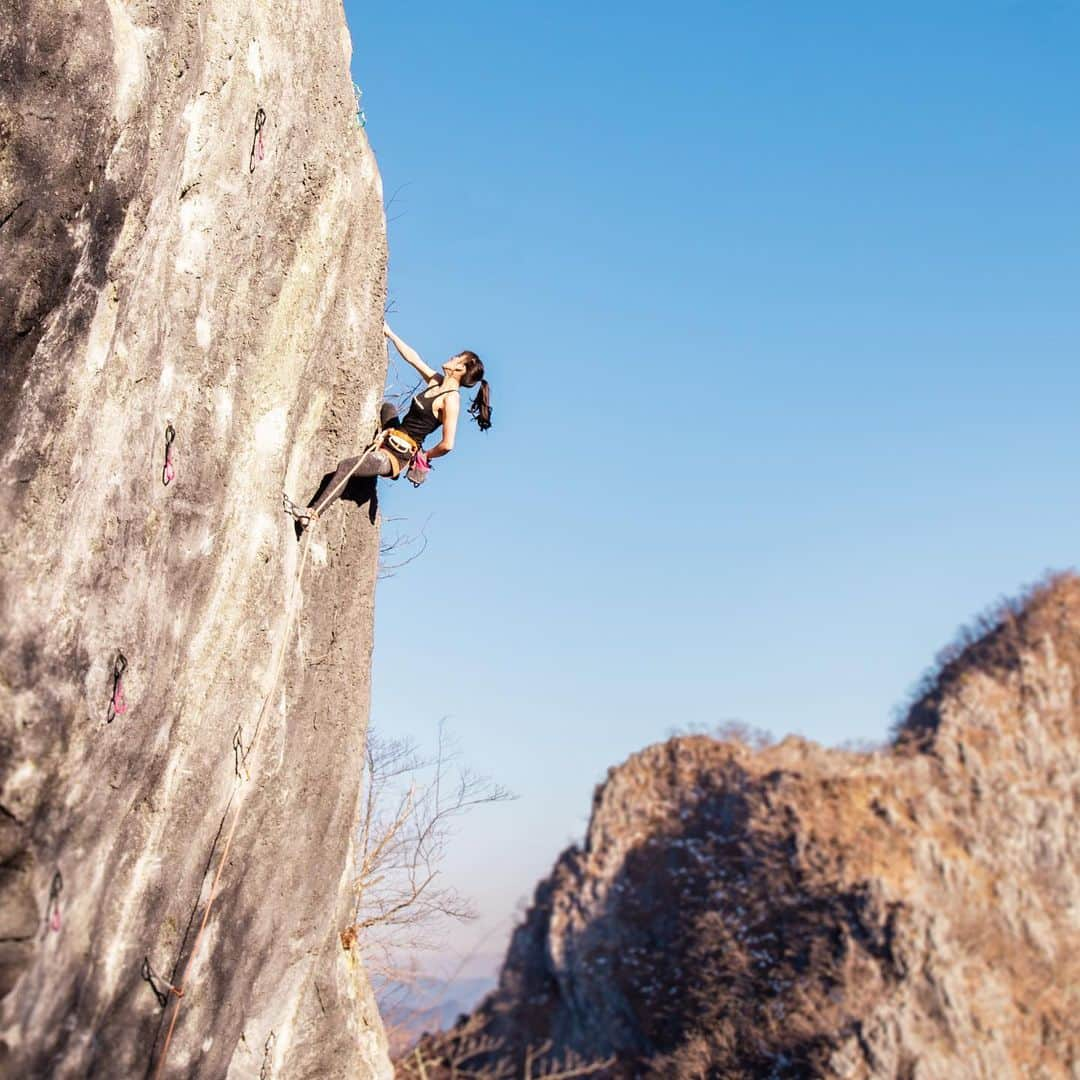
pixel 799 911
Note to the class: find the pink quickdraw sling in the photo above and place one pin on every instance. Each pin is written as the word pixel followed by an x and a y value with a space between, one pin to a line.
pixel 168 473
pixel 55 889
pixel 117 704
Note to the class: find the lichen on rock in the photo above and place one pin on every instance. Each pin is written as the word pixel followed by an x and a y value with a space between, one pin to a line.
pixel 165 263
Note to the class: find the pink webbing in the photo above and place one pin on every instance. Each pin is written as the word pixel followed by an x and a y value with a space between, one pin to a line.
pixel 168 472
pixel 119 705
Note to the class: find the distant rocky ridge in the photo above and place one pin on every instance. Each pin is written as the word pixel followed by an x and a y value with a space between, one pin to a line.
pixel 798 911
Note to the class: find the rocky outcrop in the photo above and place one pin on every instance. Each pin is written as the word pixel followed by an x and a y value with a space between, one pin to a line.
pixel 193 237
pixel 798 911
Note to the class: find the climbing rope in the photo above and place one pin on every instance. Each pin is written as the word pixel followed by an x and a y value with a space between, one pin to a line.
pixel 242 774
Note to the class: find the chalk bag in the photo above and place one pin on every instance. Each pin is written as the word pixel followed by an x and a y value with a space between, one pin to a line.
pixel 419 468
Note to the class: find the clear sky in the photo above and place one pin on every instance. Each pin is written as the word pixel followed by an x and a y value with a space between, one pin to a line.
pixel 778 303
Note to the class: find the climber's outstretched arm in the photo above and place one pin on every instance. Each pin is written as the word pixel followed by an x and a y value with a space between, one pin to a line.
pixel 409 354
pixel 449 428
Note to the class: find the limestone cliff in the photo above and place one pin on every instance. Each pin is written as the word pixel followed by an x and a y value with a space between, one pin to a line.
pixel 193 240
pixel 802 912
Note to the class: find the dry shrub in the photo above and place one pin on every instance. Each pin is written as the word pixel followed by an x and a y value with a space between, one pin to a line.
pixel 469 1052
pixel 993 643
pixel 411 803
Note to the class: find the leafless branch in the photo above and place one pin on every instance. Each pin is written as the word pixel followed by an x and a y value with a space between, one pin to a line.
pixel 399 544
pixel 411 803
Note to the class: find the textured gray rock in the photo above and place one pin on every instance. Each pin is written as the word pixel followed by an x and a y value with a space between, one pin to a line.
pixel 156 270
pixel 796 911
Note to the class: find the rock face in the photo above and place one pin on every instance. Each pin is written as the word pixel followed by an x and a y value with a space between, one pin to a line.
pixel 166 264
pixel 796 911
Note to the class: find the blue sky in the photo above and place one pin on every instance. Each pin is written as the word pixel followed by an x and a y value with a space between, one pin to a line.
pixel 778 304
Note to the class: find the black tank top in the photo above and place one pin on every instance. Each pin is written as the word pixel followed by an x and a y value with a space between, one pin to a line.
pixel 420 421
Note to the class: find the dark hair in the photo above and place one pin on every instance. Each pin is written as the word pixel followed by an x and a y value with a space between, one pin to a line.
pixel 480 409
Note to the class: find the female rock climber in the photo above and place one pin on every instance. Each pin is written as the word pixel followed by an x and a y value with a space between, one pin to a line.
pixel 400 444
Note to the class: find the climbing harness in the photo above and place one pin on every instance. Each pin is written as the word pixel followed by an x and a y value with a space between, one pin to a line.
pixel 117 704
pixel 257 140
pixel 401 443
pixel 406 453
pixel 52 909
pixel 154 980
pixel 168 473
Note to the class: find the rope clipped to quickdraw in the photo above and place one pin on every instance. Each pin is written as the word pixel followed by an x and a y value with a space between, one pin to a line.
pixel 156 981
pixel 307 516
pixel 168 472
pixel 257 149
pixel 117 704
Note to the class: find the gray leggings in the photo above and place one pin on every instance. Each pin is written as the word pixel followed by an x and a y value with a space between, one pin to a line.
pixel 373 463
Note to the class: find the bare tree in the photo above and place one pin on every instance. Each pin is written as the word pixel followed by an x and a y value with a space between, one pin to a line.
pixel 400 549
pixel 458 1055
pixel 539 1066
pixel 727 729
pixel 410 806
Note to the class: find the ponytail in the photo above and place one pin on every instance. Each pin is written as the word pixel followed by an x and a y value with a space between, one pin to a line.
pixel 480 409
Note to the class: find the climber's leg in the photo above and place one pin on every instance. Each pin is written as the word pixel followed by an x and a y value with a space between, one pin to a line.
pixel 373 463
pixel 388 416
